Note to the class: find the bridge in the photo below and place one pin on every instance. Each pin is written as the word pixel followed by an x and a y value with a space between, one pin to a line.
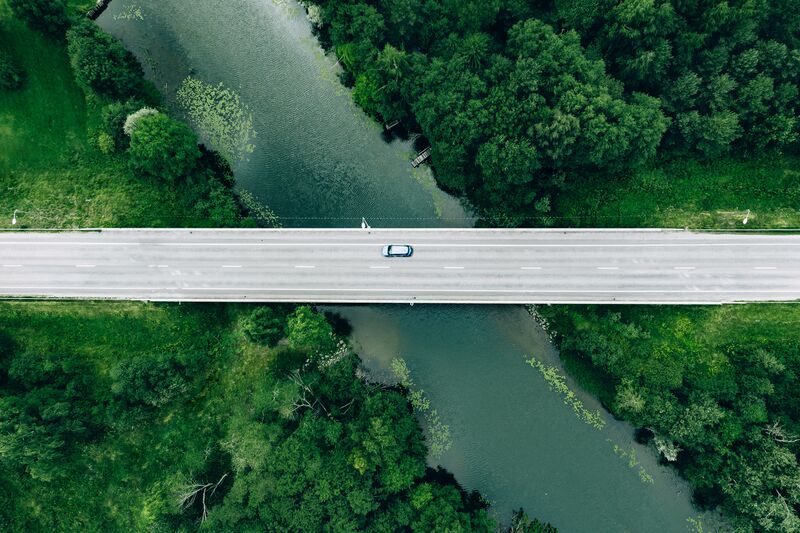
pixel 479 266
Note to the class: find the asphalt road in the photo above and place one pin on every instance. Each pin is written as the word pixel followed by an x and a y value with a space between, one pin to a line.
pixel 448 266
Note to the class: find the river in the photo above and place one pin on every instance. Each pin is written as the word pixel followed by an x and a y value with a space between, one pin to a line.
pixel 319 161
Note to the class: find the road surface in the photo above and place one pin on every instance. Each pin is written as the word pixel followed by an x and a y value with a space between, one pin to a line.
pixel 448 266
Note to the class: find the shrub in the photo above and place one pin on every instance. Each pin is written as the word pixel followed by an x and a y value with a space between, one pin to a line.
pixel 265 325
pixel 11 76
pixel 308 330
pixel 134 118
pixel 162 147
pixel 100 62
pixel 114 116
pixel 105 142
pixel 48 16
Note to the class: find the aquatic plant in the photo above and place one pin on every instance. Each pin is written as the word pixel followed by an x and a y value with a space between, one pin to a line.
pixel 132 12
pixel 259 212
pixel 557 382
pixel 221 119
pixel 633 462
pixel 438 432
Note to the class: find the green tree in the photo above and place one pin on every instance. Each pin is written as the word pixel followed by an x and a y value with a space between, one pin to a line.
pixel 308 330
pixel 48 16
pixel 101 63
pixel 11 76
pixel 265 325
pixel 163 148
pixel 113 117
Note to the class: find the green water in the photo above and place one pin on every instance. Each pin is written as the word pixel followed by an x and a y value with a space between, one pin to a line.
pixel 318 161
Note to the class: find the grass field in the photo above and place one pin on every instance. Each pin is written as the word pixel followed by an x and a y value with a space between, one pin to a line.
pixel 692 194
pixel 50 168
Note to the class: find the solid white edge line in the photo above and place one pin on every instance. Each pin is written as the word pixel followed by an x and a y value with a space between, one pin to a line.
pixel 12 266
pixel 418 245
pixel 512 291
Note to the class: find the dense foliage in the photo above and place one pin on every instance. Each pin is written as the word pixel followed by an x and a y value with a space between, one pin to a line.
pixel 318 450
pixel 101 63
pixel 176 406
pixel 518 112
pixel 728 73
pixel 49 16
pixel 11 76
pixel 163 148
pixel 716 389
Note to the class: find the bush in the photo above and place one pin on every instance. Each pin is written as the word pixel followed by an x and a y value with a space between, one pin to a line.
pixel 11 76
pixel 149 381
pixel 105 143
pixel 114 116
pixel 101 64
pixel 308 330
pixel 164 148
pixel 265 325
pixel 48 16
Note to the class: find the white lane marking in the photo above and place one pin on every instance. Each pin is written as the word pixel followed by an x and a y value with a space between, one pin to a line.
pixel 305 266
pixel 765 268
pixel 231 266
pixel 157 266
pixel 530 268
pixel 684 268
pixel 12 266
pixel 607 268
pixel 375 267
pixel 85 266
pixel 453 268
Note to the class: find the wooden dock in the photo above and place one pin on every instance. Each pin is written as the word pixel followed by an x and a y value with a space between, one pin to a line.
pixel 421 157
pixel 98 9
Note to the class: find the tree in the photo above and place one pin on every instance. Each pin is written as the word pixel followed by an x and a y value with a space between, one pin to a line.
pixel 308 330
pixel 46 407
pixel 163 148
pixel 265 325
pixel 114 116
pixel 11 76
pixel 101 63
pixel 48 16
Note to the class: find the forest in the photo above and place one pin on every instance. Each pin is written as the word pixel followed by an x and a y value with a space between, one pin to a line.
pixel 526 103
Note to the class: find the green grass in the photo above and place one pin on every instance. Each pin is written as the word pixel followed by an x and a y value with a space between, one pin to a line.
pixel 50 169
pixel 691 194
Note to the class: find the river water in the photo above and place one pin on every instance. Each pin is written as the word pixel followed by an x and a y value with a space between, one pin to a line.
pixel 318 161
